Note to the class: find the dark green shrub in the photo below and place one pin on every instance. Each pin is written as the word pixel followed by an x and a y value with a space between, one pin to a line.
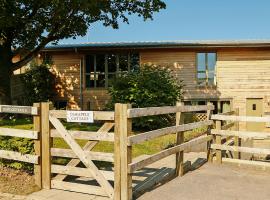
pixel 149 86
pixel 22 145
pixel 39 84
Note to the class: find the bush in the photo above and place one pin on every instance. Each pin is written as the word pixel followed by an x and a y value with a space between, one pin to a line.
pixel 147 87
pixel 39 84
pixel 22 145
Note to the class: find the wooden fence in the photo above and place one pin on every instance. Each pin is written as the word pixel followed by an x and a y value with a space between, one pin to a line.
pixel 237 148
pixel 116 183
pixel 29 134
pixel 123 136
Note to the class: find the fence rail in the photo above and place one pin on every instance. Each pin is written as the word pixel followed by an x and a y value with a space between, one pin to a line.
pixel 98 115
pixel 238 135
pixel 124 137
pixel 49 125
pixel 34 134
pixel 19 133
pixel 165 153
pixel 135 139
pixel 150 111
pixel 240 118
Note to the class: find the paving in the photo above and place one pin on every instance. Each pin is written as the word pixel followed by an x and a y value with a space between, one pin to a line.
pixel 5 196
pixel 212 182
pixel 207 182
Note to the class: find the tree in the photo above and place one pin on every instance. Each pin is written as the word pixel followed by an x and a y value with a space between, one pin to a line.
pixel 27 26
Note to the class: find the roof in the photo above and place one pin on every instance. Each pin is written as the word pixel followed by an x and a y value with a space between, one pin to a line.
pixel 163 44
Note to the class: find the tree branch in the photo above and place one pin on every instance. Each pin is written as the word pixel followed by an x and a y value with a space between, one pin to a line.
pixel 33 53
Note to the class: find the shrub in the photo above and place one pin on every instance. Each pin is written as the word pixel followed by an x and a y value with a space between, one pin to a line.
pixel 22 145
pixel 39 84
pixel 146 87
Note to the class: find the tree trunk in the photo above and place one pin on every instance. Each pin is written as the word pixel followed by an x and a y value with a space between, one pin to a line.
pixel 5 76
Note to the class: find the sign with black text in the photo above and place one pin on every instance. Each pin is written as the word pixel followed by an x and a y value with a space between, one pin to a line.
pixel 80 116
pixel 18 109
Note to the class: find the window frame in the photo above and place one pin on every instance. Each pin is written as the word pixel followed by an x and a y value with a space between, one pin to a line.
pixel 107 73
pixel 206 72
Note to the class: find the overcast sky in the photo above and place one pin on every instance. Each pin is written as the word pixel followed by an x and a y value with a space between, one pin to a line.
pixel 191 20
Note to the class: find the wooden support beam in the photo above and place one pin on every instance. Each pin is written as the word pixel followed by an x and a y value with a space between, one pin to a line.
pixel 76 187
pixel 12 155
pixel 98 115
pixel 241 149
pixel 37 146
pixel 218 142
pixel 240 118
pixel 46 145
pixel 167 152
pixel 117 153
pixel 135 139
pixel 179 169
pixel 86 135
pixel 209 151
pixel 19 133
pixel 237 140
pixel 124 127
pixel 141 112
pixel 68 153
pixel 242 134
pixel 78 171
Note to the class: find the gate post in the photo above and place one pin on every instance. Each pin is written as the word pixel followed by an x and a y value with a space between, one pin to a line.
pixel 46 145
pixel 37 146
pixel 123 153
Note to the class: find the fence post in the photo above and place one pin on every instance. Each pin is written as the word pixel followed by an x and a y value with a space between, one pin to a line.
pixel 218 141
pixel 46 145
pixel 37 146
pixel 179 166
pixel 124 128
pixel 237 140
pixel 117 152
pixel 209 151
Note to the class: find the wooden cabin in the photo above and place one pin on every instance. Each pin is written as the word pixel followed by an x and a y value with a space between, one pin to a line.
pixel 230 74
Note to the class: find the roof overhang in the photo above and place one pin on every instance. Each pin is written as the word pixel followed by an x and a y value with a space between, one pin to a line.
pixel 161 45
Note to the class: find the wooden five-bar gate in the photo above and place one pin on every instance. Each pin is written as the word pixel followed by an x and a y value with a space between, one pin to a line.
pixel 116 183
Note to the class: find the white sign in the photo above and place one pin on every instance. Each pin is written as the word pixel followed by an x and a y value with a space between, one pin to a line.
pixel 80 116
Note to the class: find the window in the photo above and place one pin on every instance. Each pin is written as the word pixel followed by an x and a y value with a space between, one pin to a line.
pixel 100 69
pixel 206 68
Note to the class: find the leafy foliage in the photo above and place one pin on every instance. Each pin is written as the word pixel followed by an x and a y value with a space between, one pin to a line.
pixel 22 145
pixel 28 25
pixel 39 84
pixel 149 86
